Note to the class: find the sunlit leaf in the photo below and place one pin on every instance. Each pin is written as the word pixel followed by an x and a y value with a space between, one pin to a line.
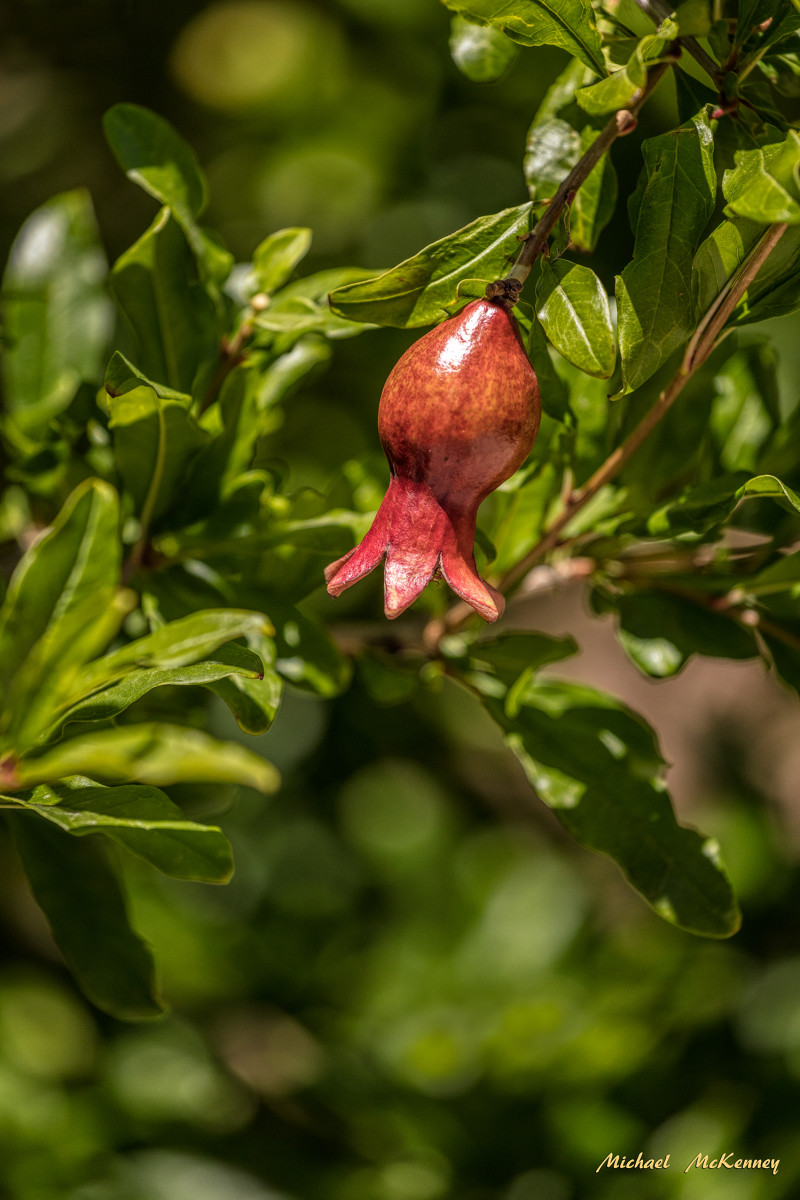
pixel 672 204
pixel 764 186
pixel 598 767
pixel 148 753
pixel 56 313
pixel 569 24
pixel 574 312
pixel 419 290
pixel 143 819
pixel 481 52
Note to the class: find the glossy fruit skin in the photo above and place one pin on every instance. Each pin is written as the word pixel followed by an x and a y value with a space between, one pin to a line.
pixel 458 415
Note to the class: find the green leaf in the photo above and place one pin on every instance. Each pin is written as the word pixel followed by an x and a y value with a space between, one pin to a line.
pixel 510 655
pixel 552 149
pixel 623 87
pixel 148 753
pixel 283 376
pixel 276 257
pixel 559 136
pixel 597 766
pixel 481 52
pixel 84 905
pixel 595 200
pixel 302 307
pixel 155 156
pixel 176 644
pixel 111 701
pixel 144 820
pixel 254 702
pixel 774 292
pixel 171 314
pixel 155 441
pixel 705 506
pixel 56 313
pixel 764 186
pixel 660 632
pixel 569 24
pixel 672 204
pixel 64 571
pixel 419 290
pixel 122 377
pixel 693 18
pixel 574 312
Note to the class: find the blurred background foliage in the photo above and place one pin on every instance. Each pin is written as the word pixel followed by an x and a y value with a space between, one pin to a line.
pixel 398 997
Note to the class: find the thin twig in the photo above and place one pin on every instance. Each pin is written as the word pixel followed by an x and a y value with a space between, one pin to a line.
pixel 231 354
pixel 619 124
pixel 697 351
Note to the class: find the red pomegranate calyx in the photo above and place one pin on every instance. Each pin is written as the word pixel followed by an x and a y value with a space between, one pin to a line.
pixel 458 415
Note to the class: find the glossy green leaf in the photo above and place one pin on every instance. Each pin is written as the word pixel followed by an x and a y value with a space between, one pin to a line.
pixel 171 314
pixel 569 24
pixel 660 632
pixel 623 87
pixel 144 820
pixel 705 506
pixel 111 701
pixel 176 644
pixel 81 897
pixel 673 202
pixel 253 700
pixel 419 290
pixel 122 377
pixel 155 441
pixel 774 292
pixel 153 155
pixel 481 52
pixel 573 309
pixel 56 314
pixel 552 149
pixel 148 753
pixel 49 677
pixel 276 257
pixel 764 186
pixel 598 767
pixel 64 571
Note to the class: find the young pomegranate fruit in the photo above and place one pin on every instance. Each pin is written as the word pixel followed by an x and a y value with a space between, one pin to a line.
pixel 457 416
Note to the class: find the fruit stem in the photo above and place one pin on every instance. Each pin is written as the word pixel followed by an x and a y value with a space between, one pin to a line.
pixel 618 125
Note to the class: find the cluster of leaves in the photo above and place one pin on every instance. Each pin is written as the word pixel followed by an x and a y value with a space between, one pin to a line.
pixel 157 568
pixel 175 558
pixel 664 537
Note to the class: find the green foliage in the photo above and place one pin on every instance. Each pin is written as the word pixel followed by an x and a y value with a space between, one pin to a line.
pixel 180 569
pixel 418 983
pixel 669 210
pixel 569 24
pixel 418 291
